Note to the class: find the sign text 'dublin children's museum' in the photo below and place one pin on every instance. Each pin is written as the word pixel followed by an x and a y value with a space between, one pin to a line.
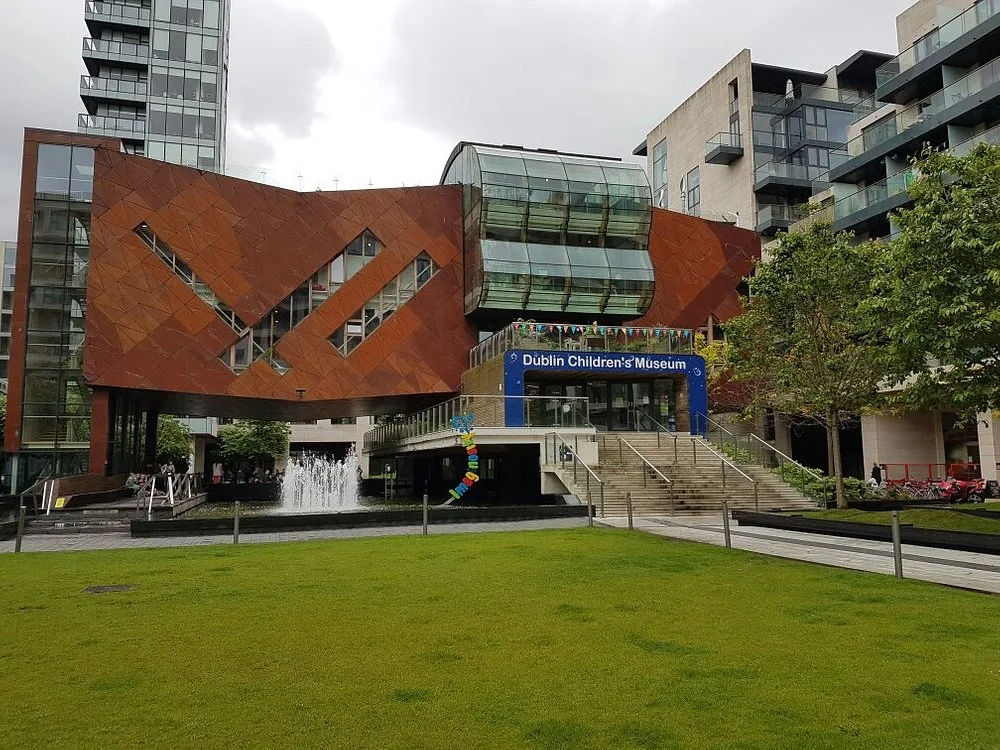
pixel 519 362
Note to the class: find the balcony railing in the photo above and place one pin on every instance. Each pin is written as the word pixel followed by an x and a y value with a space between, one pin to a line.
pixel 900 182
pixel 861 103
pixel 780 170
pixel 116 12
pixel 101 47
pixel 587 338
pixel 567 412
pixel 958 26
pixel 949 96
pixel 779 214
pixel 120 126
pixel 723 140
pixel 90 84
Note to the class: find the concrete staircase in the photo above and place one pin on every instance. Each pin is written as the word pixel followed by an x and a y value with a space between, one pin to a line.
pixel 694 471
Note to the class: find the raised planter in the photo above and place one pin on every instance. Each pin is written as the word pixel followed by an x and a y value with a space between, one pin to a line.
pixel 360 519
pixel 966 541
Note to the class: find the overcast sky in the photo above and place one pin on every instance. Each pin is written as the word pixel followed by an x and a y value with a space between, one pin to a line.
pixel 347 93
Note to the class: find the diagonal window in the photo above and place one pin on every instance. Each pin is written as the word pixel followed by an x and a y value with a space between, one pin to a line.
pixel 390 298
pixel 259 342
pixel 185 274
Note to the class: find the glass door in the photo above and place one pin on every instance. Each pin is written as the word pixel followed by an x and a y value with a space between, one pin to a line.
pixel 619 414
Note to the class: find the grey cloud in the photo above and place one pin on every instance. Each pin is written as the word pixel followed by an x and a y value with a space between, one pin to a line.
pixel 597 75
pixel 278 56
pixel 40 86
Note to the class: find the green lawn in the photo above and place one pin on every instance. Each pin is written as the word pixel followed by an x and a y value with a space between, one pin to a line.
pixel 584 638
pixel 927 519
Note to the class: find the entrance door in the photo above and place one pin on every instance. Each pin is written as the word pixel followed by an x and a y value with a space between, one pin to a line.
pixel 620 411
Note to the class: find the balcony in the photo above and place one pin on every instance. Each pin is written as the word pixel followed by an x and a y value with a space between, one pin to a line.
pixel 861 103
pixel 771 219
pixel 112 127
pixel 962 42
pixel 98 14
pixel 112 89
pixel 790 180
pixel 96 51
pixel 723 148
pixel 962 102
pixel 582 338
pixel 872 202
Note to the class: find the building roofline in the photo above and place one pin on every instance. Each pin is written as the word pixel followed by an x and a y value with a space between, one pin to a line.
pixel 512 147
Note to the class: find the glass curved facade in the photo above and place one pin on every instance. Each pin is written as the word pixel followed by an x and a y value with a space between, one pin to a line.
pixel 553 232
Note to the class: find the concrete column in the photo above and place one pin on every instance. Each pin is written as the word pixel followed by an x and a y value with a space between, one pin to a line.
pixel 100 431
pixel 988 444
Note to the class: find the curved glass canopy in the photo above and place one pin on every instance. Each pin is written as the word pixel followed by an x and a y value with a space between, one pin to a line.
pixel 553 232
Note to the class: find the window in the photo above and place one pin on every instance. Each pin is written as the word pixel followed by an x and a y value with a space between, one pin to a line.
pixel 383 305
pixel 693 197
pixel 660 191
pixel 734 107
pixel 185 274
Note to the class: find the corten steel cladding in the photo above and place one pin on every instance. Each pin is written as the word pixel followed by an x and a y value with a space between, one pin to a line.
pixel 253 245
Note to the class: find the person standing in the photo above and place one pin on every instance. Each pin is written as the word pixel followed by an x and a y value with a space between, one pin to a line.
pixel 877 474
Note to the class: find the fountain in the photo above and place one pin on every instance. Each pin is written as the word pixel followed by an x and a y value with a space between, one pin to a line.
pixel 314 484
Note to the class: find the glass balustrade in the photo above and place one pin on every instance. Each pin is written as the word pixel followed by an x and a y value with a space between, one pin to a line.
pixel 940 37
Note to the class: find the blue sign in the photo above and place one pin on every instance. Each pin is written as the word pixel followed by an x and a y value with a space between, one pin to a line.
pixel 519 362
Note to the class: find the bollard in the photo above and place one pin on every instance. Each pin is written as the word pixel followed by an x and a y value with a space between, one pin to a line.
pixel 725 522
pixel 897 547
pixel 628 508
pixel 236 523
pixel 425 509
pixel 20 529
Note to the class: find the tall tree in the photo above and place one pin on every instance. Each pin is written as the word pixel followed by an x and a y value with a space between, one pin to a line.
pixel 254 441
pixel 805 338
pixel 941 296
pixel 173 440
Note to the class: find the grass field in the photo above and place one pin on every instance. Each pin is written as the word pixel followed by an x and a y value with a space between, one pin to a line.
pixel 927 519
pixel 583 638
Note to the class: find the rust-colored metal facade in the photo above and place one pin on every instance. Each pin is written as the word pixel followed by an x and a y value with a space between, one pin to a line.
pixel 151 338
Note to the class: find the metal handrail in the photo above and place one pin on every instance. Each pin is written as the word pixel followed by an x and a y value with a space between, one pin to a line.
pixel 33 491
pixel 788 458
pixel 725 460
pixel 663 429
pixel 660 474
pixel 577 460
pixel 751 436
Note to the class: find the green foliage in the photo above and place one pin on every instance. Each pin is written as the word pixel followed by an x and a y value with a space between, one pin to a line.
pixel 941 294
pixel 574 638
pixel 921 518
pixel 806 338
pixel 173 440
pixel 254 441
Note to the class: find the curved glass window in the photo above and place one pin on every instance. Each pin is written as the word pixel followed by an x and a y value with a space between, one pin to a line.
pixel 538 232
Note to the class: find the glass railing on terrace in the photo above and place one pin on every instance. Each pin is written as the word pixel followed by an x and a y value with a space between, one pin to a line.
pixel 723 139
pixel 776 213
pixel 900 182
pixel 862 102
pixel 125 49
pixel 940 37
pixel 886 128
pixel 116 10
pixel 565 412
pixel 586 338
pixel 98 125
pixel 112 85
pixel 785 171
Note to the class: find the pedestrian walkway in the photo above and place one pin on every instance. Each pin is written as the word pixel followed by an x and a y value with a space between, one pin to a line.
pixel 122 540
pixel 968 570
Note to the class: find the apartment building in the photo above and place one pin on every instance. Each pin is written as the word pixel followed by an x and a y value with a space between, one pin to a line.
pixel 157 78
pixel 754 142
pixel 942 90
